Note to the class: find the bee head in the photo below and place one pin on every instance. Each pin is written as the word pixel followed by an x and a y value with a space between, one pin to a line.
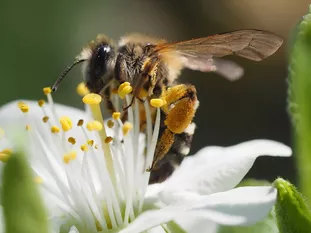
pixel 98 56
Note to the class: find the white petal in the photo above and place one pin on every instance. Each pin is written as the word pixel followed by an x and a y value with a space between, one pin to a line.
pixel 192 224
pixel 73 229
pixel 150 219
pixel 240 206
pixel 12 118
pixel 217 169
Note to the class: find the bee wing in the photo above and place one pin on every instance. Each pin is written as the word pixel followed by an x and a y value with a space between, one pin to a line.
pixel 199 54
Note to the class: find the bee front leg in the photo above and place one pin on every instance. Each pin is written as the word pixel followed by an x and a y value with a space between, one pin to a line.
pixel 181 104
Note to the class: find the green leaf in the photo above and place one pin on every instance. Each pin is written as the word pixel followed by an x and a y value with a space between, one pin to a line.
pixel 22 204
pixel 291 210
pixel 299 97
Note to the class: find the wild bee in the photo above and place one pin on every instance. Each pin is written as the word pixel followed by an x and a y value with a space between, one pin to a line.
pixel 153 66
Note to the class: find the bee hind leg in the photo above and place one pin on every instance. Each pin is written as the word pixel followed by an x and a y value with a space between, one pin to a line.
pixel 178 150
pixel 181 104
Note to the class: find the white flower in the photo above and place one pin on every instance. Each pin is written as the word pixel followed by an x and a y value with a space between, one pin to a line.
pixel 94 185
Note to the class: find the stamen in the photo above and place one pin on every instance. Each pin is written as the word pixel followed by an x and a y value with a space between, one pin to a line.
pixel 124 89
pixel 72 140
pixel 94 126
pixel 69 156
pixel 90 142
pixel 38 180
pixel 116 115
pixel 96 147
pixel 66 123
pixel 47 90
pixel 27 127
pixel 108 139
pixel 84 147
pixel 5 155
pixel 123 85
pixel 23 107
pixel 82 90
pixel 110 124
pixel 80 122
pixel 45 119
pixel 92 99
pixel 157 103
pixel 41 103
pixel 55 129
pixel 126 128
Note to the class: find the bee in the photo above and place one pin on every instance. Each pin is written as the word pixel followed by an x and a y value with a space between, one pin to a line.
pixel 153 66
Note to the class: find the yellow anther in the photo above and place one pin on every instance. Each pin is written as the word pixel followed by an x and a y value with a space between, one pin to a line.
pixel 72 154
pixel 47 90
pixel 45 119
pixel 55 129
pixel 92 98
pixel 69 156
pixel 96 147
pixel 23 107
pixel 108 139
pixel 38 180
pixel 157 103
pixel 80 122
pixel 66 158
pixel 124 89
pixel 2 133
pixel 123 85
pixel 20 103
pixel 82 89
pixel 116 115
pixel 126 128
pixel 94 126
pixel 84 147
pixel 110 124
pixel 66 123
pixel 41 103
pixel 27 127
pixel 90 142
pixel 5 155
pixel 72 140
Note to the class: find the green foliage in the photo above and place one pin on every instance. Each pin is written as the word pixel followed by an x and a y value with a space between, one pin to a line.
pixel 291 210
pixel 300 101
pixel 22 204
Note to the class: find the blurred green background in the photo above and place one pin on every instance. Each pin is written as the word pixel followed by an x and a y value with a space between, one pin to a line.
pixel 40 38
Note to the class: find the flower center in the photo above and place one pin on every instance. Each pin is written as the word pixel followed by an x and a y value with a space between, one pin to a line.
pixel 98 179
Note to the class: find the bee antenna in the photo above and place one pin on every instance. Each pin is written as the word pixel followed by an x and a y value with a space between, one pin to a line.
pixel 65 72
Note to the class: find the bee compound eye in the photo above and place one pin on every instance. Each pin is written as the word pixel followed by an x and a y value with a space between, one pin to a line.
pixel 103 51
pixel 98 64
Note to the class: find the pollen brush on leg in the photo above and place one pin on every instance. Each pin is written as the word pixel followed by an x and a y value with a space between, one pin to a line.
pixel 177 129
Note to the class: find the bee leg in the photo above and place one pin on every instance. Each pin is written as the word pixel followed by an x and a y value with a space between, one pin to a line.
pixel 181 104
pixel 179 149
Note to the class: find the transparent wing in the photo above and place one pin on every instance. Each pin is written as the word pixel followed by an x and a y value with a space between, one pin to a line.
pixel 199 54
